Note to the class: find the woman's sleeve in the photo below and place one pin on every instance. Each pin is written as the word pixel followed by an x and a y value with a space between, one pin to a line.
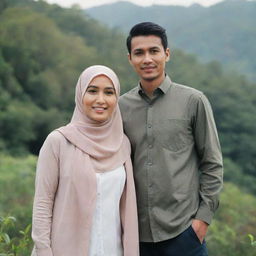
pixel 129 218
pixel 46 183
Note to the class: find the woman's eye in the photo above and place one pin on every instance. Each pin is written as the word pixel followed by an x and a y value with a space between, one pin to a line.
pixel 109 92
pixel 91 91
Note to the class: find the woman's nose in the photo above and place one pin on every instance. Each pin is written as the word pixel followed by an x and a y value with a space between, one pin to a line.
pixel 101 98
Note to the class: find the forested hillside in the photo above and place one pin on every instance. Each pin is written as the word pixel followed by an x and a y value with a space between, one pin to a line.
pixel 44 48
pixel 225 32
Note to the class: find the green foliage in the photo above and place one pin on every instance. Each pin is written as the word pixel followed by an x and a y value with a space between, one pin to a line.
pixel 17 187
pixel 39 77
pixel 235 219
pixel 235 174
pixel 16 195
pixel 253 242
pixel 14 246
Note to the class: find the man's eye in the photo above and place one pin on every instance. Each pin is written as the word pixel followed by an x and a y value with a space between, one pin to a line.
pixel 138 53
pixel 154 51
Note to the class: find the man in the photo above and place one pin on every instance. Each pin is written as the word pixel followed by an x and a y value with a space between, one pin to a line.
pixel 175 150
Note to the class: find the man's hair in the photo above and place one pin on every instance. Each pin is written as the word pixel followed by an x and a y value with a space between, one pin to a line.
pixel 147 29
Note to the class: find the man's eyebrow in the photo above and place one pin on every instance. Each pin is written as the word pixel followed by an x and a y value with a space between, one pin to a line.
pixel 138 50
pixel 151 48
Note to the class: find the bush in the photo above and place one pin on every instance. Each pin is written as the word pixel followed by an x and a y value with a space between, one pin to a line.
pixel 14 246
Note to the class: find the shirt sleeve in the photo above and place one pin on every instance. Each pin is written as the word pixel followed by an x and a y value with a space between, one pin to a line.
pixel 46 183
pixel 210 159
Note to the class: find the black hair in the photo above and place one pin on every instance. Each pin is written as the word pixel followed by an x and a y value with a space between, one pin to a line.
pixel 147 29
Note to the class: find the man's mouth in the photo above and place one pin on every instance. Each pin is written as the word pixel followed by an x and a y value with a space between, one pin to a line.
pixel 148 68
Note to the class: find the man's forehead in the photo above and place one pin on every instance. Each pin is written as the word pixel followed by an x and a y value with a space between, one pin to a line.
pixel 141 42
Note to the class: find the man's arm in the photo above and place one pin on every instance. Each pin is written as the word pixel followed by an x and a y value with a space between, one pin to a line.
pixel 210 160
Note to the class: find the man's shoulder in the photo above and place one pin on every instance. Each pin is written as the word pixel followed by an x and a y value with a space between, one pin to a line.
pixel 129 97
pixel 191 96
pixel 130 93
pixel 186 89
pixel 186 92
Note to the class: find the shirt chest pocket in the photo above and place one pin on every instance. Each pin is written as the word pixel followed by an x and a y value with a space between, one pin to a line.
pixel 173 134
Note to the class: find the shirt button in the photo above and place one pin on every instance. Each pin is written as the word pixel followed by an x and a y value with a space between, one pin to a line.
pixel 149 164
pixel 150 146
pixel 149 126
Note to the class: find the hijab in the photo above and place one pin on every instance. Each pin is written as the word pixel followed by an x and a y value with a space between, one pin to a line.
pixel 104 142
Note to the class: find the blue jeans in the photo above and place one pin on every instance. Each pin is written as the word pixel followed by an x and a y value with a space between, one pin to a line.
pixel 185 244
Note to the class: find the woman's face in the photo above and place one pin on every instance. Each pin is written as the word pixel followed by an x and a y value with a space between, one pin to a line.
pixel 100 99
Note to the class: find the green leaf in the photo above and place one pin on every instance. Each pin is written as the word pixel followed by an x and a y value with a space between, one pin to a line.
pixel 22 232
pixel 251 237
pixel 27 229
pixel 13 219
pixel 6 238
pixel 253 242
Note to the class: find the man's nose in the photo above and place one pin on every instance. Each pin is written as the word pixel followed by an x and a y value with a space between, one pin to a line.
pixel 147 58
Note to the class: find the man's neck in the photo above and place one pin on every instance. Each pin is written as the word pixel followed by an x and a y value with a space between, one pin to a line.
pixel 150 86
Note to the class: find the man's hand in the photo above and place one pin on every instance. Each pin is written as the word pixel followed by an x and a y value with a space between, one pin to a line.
pixel 200 228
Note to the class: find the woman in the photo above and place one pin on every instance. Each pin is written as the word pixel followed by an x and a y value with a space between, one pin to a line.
pixel 85 200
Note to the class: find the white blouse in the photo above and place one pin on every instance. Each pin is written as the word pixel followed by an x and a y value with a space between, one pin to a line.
pixel 106 225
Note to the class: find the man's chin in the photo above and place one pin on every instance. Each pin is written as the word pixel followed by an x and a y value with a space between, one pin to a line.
pixel 149 78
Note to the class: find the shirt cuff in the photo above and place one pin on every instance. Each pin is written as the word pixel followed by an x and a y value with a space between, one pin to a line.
pixel 204 214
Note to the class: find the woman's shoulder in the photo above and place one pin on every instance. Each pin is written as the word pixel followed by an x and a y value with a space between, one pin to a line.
pixel 54 142
pixel 55 138
pixel 55 135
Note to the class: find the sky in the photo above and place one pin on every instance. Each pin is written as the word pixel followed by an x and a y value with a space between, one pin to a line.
pixel 92 3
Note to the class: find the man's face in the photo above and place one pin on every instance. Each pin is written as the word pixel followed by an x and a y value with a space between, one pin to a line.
pixel 148 58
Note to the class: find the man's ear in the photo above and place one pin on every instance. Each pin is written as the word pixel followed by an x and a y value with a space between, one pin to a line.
pixel 129 58
pixel 168 54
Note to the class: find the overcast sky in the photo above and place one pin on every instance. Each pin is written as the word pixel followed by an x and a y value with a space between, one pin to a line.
pixel 91 3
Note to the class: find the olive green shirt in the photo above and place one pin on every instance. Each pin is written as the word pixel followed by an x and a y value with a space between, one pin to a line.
pixel 176 158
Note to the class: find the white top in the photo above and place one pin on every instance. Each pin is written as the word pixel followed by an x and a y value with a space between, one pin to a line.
pixel 106 225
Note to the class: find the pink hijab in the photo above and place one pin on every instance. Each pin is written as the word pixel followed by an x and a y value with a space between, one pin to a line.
pixel 104 142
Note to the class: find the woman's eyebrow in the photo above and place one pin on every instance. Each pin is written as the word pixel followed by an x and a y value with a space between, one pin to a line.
pixel 91 85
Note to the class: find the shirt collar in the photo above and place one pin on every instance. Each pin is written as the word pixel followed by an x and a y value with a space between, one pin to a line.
pixel 163 87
